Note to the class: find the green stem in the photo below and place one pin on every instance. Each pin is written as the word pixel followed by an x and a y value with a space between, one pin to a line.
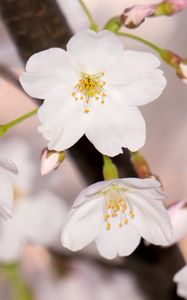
pixel 19 288
pixel 93 24
pixel 5 127
pixel 141 40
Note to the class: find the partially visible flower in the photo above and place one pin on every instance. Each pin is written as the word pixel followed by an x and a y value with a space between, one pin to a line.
pixel 180 279
pixel 36 220
pixel 178 216
pixel 74 14
pixel 182 70
pixel 134 16
pixel 20 152
pixel 116 214
pixel 170 7
pixel 50 160
pixel 7 168
pixel 93 88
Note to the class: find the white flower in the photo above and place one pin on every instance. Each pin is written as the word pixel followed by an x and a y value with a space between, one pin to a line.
pixel 178 216
pixel 116 214
pixel 74 14
pixel 181 279
pixel 37 220
pixel 93 88
pixel 21 153
pixel 7 168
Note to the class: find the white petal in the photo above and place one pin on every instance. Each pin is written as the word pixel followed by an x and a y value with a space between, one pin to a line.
pixel 90 192
pixel 139 183
pixel 136 81
pixel 95 52
pixel 10 241
pixel 22 157
pixel 181 279
pixel 178 216
pixel 113 126
pixel 8 165
pixel 68 126
pixel 6 194
pixel 41 218
pixel 151 218
pixel 48 72
pixel 83 224
pixel 117 241
pixel 132 65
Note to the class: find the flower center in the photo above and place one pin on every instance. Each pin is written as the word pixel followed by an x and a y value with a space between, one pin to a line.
pixel 117 206
pixel 90 87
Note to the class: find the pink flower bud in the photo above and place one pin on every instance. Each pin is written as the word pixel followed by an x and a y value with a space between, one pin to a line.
pixel 178 217
pixel 134 16
pixel 50 160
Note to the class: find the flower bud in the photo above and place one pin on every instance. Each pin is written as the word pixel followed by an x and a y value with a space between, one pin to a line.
pixel 170 7
pixel 181 70
pixel 178 217
pixel 134 16
pixel 50 160
pixel 170 57
pixel 141 166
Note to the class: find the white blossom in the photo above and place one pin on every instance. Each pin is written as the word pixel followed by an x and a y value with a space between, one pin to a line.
pixel 93 88
pixel 36 220
pixel 7 169
pixel 181 279
pixel 116 214
pixel 178 216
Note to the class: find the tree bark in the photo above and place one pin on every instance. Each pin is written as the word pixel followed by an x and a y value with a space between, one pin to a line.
pixel 34 25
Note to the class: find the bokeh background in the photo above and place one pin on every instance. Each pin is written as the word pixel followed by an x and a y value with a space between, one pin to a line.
pixel 86 276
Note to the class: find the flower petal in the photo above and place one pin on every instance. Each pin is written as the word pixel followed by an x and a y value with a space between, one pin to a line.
pixel 136 81
pixel 68 126
pixel 10 241
pixel 8 165
pixel 83 224
pixel 47 73
pixel 35 216
pixel 6 194
pixel 95 52
pixel 139 183
pixel 151 218
pixel 117 241
pixel 178 216
pixel 124 128
pixel 90 192
pixel 181 279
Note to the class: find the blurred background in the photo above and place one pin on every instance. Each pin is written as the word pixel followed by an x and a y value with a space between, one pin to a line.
pixel 33 265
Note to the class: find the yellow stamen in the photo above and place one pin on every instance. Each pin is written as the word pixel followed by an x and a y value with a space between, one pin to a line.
pixel 117 206
pixel 89 87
